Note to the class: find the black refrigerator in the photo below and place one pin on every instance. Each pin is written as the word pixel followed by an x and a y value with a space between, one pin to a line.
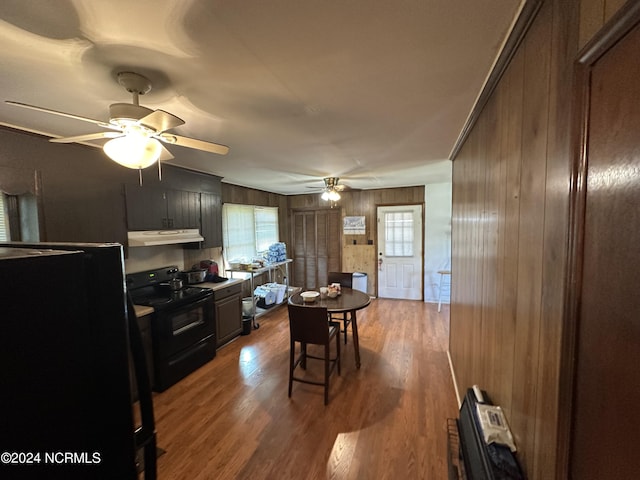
pixel 69 349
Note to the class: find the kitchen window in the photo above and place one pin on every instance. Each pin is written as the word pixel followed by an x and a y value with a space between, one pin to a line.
pixel 248 230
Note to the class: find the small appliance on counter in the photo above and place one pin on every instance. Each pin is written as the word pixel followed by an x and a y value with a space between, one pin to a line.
pixel 212 271
pixel 194 276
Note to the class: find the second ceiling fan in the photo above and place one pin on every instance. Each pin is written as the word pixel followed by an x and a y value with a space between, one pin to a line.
pixel 332 189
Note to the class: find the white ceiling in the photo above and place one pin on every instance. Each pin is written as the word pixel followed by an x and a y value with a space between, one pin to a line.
pixel 373 91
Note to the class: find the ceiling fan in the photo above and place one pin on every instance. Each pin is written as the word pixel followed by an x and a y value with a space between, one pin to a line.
pixel 136 132
pixel 332 189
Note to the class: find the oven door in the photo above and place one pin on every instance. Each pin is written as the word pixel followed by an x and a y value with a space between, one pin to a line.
pixel 177 329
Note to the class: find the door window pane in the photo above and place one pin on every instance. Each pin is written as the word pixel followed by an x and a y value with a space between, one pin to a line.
pixel 398 234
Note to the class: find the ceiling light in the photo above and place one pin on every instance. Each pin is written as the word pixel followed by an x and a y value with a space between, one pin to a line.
pixel 330 194
pixel 133 150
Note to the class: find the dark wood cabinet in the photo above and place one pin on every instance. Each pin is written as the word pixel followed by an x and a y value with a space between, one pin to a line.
pixel 155 208
pixel 183 209
pixel 211 219
pixel 228 313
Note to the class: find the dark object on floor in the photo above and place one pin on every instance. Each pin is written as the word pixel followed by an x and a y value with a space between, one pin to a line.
pixel 481 460
pixel 246 325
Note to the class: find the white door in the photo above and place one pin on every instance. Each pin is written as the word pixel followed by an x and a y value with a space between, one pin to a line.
pixel 400 252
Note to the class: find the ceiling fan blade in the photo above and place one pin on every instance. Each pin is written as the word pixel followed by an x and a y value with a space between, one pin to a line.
pixel 165 155
pixel 193 143
pixel 88 136
pixel 62 114
pixel 160 121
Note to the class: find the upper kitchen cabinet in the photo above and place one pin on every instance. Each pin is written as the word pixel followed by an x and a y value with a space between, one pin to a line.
pixel 156 208
pixel 211 211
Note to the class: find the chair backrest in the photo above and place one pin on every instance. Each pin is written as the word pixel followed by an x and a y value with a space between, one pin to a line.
pixel 343 278
pixel 309 324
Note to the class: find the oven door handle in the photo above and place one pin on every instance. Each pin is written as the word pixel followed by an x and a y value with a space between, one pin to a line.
pixel 145 435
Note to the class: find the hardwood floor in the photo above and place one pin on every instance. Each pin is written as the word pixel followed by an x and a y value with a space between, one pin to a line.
pixel 232 419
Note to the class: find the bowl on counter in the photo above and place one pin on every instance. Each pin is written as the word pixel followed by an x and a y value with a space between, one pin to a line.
pixel 309 297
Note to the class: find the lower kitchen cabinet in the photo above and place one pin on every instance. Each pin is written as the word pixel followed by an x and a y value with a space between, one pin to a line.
pixel 228 312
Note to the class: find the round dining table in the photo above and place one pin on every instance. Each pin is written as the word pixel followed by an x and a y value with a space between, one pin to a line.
pixel 349 300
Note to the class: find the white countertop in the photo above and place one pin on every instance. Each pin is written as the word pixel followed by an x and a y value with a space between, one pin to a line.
pixel 221 285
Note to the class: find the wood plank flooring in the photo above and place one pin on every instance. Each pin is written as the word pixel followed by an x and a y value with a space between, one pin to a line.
pixel 232 419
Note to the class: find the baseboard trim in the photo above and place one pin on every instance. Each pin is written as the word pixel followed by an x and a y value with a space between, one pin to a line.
pixel 453 378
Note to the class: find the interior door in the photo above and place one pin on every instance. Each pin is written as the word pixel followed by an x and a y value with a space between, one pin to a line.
pixel 400 252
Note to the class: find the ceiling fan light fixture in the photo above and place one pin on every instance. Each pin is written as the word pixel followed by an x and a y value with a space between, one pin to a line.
pixel 330 194
pixel 133 151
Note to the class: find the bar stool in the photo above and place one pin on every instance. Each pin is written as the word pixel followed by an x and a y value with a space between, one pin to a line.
pixel 447 284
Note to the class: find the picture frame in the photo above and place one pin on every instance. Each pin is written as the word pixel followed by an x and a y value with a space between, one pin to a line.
pixel 355 225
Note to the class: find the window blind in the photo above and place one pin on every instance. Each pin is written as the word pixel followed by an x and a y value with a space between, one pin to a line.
pixel 398 234
pixel 266 227
pixel 248 230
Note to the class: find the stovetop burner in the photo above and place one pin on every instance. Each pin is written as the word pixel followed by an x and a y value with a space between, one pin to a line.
pixel 151 288
pixel 159 295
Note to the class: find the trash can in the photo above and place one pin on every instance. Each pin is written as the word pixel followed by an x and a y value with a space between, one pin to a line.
pixel 248 304
pixel 359 281
pixel 246 325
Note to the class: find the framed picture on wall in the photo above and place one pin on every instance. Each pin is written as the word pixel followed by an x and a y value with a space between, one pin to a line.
pixel 354 225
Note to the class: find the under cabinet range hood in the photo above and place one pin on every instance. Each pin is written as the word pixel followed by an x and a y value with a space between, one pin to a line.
pixel 163 237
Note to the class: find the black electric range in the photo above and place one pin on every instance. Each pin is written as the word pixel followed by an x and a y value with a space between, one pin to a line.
pixel 183 330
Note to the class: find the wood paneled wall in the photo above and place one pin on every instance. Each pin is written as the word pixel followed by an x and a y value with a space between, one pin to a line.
pixel 352 203
pixel 594 14
pixel 510 226
pixel 361 203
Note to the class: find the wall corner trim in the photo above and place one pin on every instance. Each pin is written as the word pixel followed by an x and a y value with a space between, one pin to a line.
pixel 453 378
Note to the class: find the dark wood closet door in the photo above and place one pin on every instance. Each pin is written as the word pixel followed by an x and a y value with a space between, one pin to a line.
pixel 606 418
pixel 316 247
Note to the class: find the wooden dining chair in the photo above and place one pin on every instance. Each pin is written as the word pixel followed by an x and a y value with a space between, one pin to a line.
pixel 309 325
pixel 345 279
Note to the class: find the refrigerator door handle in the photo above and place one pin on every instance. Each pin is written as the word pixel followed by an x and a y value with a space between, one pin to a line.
pixel 145 436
